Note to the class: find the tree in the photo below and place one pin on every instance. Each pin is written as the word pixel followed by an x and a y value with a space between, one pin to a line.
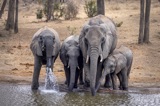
pixel 2 8
pixel 144 21
pixel 49 9
pixel 101 7
pixel 16 18
pixel 10 19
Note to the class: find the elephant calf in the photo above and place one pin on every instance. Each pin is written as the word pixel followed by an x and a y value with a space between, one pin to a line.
pixel 119 63
pixel 71 57
pixel 45 47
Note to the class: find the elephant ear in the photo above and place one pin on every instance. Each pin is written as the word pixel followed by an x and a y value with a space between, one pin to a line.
pixel 63 54
pixel 35 46
pixel 106 46
pixel 82 40
pixel 120 63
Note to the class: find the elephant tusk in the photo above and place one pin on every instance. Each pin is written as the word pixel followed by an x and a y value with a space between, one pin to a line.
pixel 78 67
pixel 101 58
pixel 87 59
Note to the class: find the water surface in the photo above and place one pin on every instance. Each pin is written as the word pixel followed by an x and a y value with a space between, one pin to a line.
pixel 22 95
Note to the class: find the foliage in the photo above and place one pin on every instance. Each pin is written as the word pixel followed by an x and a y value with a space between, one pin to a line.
pixel 71 30
pixel 58 10
pixel 39 14
pixel 70 9
pixel 90 8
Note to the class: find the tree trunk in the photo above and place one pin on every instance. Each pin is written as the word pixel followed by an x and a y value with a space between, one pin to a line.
pixel 141 28
pixel 10 19
pixel 16 18
pixel 49 9
pixel 147 17
pixel 100 7
pixel 2 8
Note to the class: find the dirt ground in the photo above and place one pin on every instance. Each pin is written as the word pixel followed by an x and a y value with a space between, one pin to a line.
pixel 16 59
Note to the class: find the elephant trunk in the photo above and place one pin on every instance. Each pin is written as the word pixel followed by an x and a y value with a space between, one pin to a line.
pixel 93 70
pixel 49 51
pixel 49 62
pixel 72 77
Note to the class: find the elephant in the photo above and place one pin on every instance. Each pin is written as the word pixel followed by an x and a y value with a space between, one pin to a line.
pixel 72 59
pixel 97 40
pixel 45 46
pixel 118 64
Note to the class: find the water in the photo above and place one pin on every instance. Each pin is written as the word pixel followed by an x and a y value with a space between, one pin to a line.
pixel 22 95
pixel 51 84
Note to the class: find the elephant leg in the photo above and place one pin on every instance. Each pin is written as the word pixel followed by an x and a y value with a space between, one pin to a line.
pixel 67 74
pixel 114 81
pixel 76 78
pixel 119 75
pixel 86 74
pixel 81 77
pixel 108 82
pixel 124 79
pixel 37 68
pixel 99 74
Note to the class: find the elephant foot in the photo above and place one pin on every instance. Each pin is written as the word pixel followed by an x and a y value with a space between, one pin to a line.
pixel 81 82
pixel 75 86
pixel 87 84
pixel 107 86
pixel 125 88
pixel 35 86
pixel 65 82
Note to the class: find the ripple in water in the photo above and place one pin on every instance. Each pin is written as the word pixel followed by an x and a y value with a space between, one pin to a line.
pixel 51 85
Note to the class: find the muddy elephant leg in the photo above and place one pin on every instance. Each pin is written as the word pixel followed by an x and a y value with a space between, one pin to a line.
pixel 108 82
pixel 67 74
pixel 37 68
pixel 86 74
pixel 119 75
pixel 114 81
pixel 124 79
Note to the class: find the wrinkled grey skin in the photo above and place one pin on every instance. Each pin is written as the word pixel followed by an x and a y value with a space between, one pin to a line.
pixel 119 63
pixel 71 57
pixel 97 40
pixel 45 47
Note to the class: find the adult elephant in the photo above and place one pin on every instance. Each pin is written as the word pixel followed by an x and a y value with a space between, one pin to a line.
pixel 97 40
pixel 71 57
pixel 45 47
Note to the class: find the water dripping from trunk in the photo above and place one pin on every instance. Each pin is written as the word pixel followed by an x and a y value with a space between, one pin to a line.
pixel 51 84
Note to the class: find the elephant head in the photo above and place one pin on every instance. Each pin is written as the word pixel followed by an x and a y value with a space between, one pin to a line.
pixel 97 40
pixel 70 55
pixel 43 45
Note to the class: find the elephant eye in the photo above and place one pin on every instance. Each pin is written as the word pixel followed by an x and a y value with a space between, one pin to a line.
pixel 86 41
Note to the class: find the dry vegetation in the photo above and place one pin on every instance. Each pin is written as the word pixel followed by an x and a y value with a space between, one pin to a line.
pixel 16 59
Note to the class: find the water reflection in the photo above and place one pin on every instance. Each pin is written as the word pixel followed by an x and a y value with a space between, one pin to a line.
pixel 22 95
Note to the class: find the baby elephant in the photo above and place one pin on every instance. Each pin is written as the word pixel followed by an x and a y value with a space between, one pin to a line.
pixel 71 57
pixel 119 63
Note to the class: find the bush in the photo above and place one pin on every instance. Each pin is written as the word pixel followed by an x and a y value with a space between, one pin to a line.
pixel 90 8
pixel 39 14
pixel 70 9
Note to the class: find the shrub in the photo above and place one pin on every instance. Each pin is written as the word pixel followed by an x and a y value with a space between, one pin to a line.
pixel 90 8
pixel 70 9
pixel 39 14
pixel 58 10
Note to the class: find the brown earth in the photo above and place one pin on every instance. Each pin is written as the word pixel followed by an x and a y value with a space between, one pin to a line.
pixel 16 59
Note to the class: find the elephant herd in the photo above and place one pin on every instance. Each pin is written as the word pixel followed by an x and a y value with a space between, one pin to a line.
pixel 89 58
